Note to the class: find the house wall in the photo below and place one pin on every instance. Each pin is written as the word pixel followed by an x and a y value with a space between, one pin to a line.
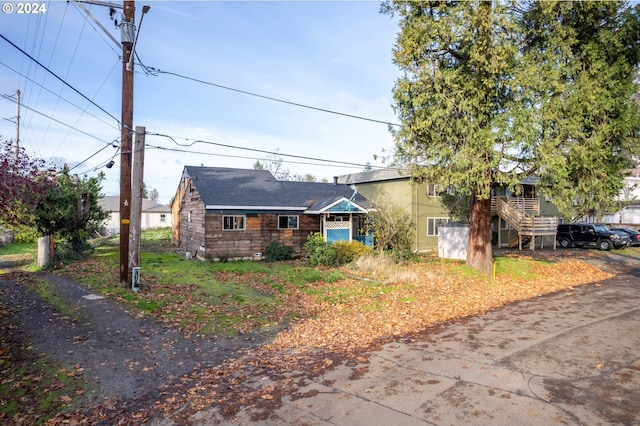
pixel 147 221
pixel 150 220
pixel 192 224
pixel 414 199
pixel 260 230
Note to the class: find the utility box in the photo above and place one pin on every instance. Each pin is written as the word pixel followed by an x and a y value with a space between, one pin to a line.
pixel 453 240
pixel 135 278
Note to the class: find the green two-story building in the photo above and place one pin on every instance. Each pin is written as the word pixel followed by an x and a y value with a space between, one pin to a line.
pixel 516 219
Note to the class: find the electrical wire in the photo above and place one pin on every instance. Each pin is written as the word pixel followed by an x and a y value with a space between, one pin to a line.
pixel 66 75
pixel 197 80
pixel 100 33
pixel 90 157
pixel 54 119
pixel 64 99
pixel 346 163
pixel 85 109
pixel 63 81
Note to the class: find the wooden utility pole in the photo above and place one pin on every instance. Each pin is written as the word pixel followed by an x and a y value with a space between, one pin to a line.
pixel 136 199
pixel 127 37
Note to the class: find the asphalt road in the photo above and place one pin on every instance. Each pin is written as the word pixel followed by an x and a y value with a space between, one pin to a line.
pixel 570 358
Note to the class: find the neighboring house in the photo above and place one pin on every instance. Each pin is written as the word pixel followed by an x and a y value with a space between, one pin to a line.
pixel 515 222
pixel 235 213
pixel 154 215
pixel 629 215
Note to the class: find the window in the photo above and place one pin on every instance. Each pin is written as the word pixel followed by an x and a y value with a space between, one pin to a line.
pixel 287 222
pixel 433 223
pixel 163 217
pixel 435 190
pixel 233 223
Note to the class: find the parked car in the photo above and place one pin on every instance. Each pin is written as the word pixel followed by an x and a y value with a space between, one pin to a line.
pixel 589 235
pixel 634 236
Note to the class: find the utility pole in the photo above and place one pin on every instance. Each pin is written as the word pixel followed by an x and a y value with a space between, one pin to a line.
pixel 127 29
pixel 136 200
pixel 17 121
pixel 17 124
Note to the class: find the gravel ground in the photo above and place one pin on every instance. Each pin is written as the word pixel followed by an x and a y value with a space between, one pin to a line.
pixel 127 361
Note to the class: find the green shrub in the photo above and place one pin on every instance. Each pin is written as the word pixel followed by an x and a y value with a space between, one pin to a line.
pixel 276 251
pixel 348 251
pixel 320 252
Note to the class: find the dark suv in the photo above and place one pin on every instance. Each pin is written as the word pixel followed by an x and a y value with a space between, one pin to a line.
pixel 589 235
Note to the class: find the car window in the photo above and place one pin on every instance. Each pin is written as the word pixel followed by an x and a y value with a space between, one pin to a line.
pixel 601 228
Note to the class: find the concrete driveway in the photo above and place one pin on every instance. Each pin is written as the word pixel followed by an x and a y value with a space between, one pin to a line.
pixel 569 358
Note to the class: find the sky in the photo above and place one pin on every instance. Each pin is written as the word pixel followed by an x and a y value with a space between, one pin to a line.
pixel 333 55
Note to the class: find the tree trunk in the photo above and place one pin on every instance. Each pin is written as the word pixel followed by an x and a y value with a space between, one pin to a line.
pixel 479 252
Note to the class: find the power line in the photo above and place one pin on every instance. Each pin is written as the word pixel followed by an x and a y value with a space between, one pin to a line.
pixel 90 157
pixel 63 81
pixel 84 110
pixel 158 71
pixel 346 163
pixel 56 120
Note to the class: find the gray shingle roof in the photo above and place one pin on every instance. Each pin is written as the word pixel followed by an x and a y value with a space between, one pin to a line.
pixel 111 203
pixel 226 188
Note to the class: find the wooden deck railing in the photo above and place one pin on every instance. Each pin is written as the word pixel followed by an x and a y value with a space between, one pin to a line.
pixel 530 205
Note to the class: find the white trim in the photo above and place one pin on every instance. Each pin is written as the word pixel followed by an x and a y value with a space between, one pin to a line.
pixel 244 222
pixel 434 226
pixel 340 200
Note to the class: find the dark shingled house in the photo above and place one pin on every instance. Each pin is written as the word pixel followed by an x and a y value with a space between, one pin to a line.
pixel 235 213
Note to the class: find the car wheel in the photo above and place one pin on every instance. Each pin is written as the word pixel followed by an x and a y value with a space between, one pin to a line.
pixel 565 243
pixel 604 245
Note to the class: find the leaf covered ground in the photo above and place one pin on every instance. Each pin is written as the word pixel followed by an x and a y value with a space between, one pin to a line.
pixel 313 317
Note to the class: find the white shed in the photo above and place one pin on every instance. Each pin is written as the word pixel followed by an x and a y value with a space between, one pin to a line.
pixel 453 240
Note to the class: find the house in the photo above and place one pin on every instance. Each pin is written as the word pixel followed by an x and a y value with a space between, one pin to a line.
pixel 516 219
pixel 629 215
pixel 154 215
pixel 223 212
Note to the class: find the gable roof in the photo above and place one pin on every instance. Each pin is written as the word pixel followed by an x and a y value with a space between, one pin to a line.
pixel 111 203
pixel 222 188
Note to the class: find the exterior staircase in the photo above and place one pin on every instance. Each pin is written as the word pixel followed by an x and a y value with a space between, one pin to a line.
pixel 514 211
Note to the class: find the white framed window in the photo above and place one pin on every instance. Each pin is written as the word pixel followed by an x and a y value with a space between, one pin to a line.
pixel 435 190
pixel 433 223
pixel 233 223
pixel 163 217
pixel 287 222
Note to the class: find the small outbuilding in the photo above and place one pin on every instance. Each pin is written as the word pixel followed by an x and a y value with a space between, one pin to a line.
pixel 453 240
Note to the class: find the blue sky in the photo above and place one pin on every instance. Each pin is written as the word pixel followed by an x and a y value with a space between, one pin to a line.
pixel 331 55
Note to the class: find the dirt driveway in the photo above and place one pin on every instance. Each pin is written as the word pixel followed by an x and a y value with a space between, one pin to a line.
pixel 127 361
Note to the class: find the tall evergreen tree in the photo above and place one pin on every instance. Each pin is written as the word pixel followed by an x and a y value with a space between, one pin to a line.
pixel 493 92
